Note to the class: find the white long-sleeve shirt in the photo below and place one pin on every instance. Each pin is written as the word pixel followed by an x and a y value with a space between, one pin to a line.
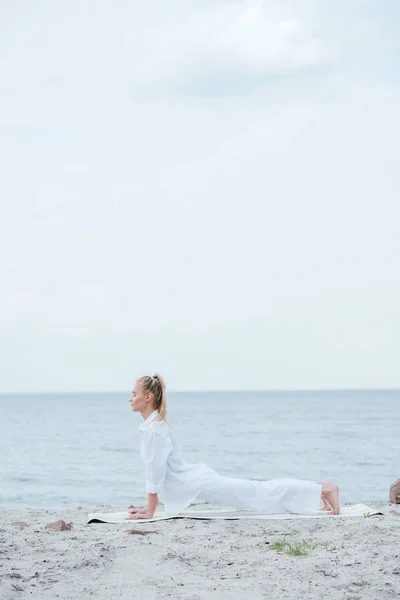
pixel 176 482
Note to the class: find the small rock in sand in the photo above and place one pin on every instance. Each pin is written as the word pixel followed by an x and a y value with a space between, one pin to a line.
pixel 20 524
pixel 59 526
pixel 395 492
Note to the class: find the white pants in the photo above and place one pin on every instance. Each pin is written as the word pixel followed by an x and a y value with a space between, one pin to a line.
pixel 276 496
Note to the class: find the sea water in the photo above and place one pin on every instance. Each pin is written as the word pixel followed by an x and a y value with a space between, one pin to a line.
pixel 66 450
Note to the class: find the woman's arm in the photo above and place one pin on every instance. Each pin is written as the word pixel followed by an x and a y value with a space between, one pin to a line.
pixel 152 502
pixel 157 449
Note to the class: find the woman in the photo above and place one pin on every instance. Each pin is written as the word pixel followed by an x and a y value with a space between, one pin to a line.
pixel 178 483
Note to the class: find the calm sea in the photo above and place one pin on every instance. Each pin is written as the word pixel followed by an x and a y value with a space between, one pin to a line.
pixel 83 449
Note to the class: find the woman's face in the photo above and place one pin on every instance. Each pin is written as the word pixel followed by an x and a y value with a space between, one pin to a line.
pixel 138 400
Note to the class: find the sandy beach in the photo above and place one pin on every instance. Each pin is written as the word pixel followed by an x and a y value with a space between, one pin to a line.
pixel 333 558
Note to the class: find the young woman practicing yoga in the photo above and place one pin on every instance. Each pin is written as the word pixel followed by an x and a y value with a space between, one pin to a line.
pixel 178 483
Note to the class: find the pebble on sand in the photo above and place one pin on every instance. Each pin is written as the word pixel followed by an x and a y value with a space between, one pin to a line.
pixel 20 524
pixel 395 492
pixel 59 526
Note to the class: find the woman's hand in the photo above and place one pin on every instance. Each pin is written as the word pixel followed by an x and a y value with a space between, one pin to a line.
pixel 144 513
pixel 133 511
pixel 139 515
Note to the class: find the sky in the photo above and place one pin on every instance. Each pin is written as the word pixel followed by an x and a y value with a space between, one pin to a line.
pixel 204 189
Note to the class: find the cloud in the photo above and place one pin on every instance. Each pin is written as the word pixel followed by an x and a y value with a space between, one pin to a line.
pixel 101 53
pixel 210 49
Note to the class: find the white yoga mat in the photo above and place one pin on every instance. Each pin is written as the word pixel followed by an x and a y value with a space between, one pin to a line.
pixel 355 510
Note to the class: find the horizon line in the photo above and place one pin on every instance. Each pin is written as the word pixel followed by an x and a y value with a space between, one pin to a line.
pixel 207 391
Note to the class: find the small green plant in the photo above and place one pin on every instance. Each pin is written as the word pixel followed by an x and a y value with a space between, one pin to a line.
pixel 366 515
pixel 309 544
pixel 325 545
pixel 296 550
pixel 301 548
pixel 278 546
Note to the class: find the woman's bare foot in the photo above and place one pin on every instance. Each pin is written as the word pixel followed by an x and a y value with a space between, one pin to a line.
pixel 330 496
pixel 327 505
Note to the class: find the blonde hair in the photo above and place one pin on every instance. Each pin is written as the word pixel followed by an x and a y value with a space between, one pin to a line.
pixel 155 385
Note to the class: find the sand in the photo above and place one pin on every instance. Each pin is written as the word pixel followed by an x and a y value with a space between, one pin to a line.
pixel 355 558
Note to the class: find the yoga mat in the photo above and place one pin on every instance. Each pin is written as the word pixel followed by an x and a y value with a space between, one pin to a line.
pixel 355 510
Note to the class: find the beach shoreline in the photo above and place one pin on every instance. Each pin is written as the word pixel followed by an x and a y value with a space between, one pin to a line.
pixel 330 558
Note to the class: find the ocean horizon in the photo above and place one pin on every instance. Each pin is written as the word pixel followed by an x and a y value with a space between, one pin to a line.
pixel 203 391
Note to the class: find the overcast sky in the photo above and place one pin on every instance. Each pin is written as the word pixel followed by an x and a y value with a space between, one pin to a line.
pixel 208 189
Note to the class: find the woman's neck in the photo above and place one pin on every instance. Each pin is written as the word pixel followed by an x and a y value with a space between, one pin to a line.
pixel 147 411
